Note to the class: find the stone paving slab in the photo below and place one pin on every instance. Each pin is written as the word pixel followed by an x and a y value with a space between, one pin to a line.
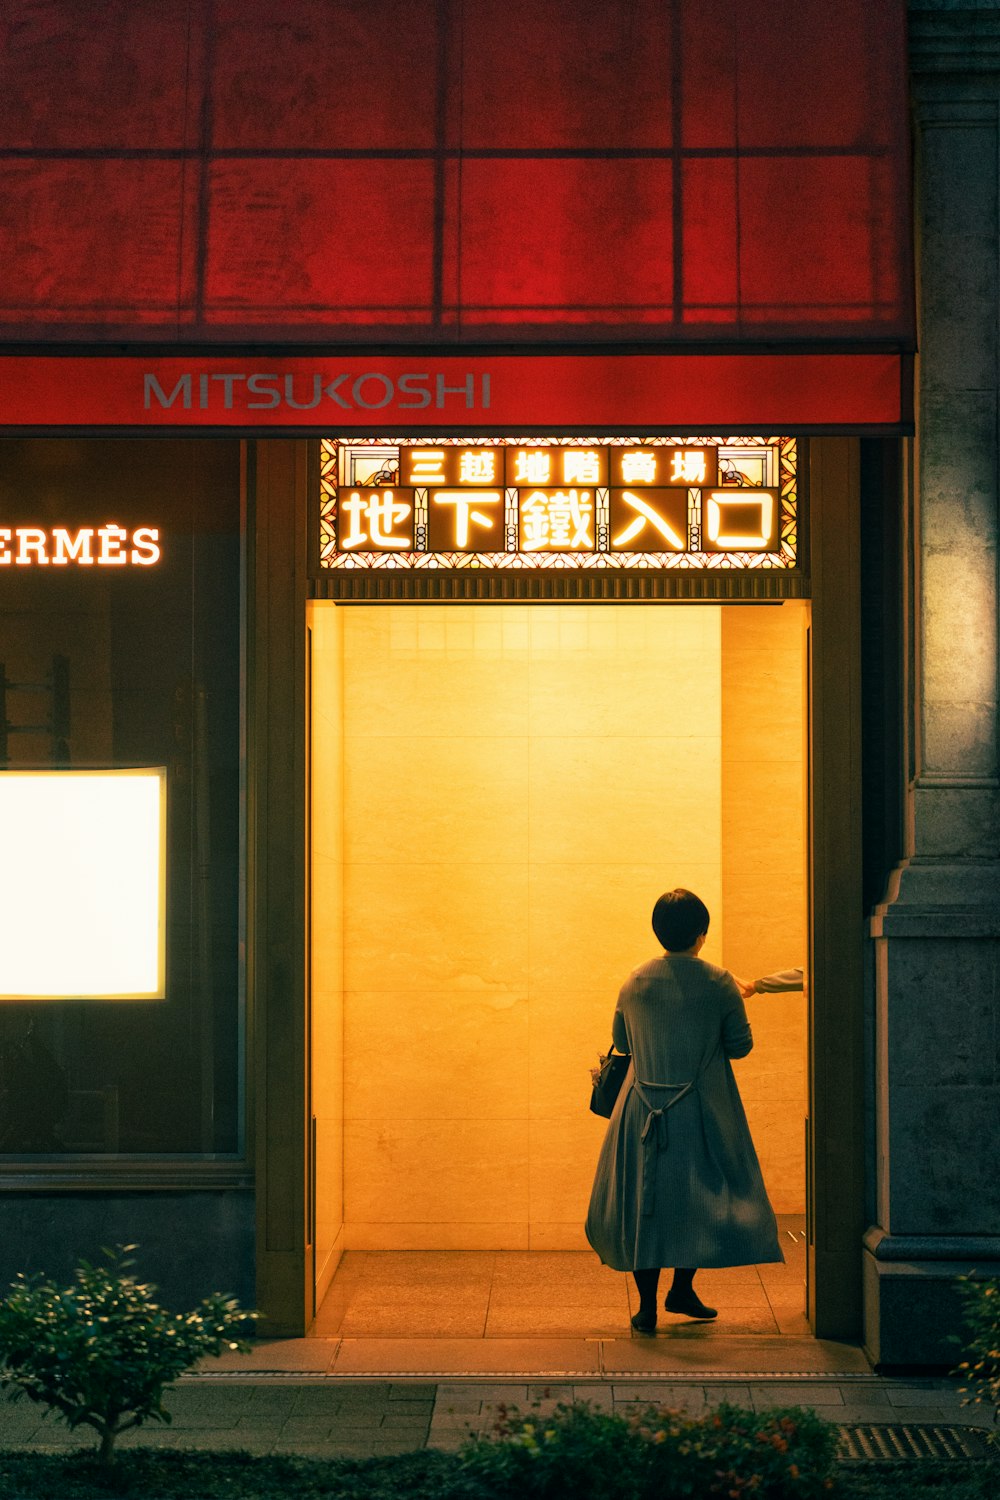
pixel 681 1347
pixel 356 1420
pixel 691 1403
pixel 446 1356
pixel 874 1397
pixel 277 1354
pixel 663 1392
pixel 820 1394
pixel 600 1396
pixel 910 1393
pixel 664 1355
pixel 451 1391
pixel 328 1421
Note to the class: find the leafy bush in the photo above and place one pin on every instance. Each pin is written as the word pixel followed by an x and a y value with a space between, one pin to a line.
pixel 656 1455
pixel 981 1367
pixel 163 1474
pixel 101 1352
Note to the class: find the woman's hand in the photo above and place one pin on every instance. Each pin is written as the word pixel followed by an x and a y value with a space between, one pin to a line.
pixel 745 989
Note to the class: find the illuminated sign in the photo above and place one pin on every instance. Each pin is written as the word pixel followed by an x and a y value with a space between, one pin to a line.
pixel 87 546
pixel 665 466
pixel 451 466
pixel 378 520
pixel 554 466
pixel 744 521
pixel 467 520
pixel 559 503
pixel 556 520
pixel 83 885
pixel 649 520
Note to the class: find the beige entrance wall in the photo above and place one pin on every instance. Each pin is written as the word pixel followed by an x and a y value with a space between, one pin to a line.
pixel 326 846
pixel 764 894
pixel 499 793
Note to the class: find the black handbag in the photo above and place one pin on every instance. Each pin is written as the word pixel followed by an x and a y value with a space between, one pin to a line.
pixel 608 1078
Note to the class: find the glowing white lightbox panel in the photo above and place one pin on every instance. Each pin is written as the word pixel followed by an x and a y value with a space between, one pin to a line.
pixel 83 884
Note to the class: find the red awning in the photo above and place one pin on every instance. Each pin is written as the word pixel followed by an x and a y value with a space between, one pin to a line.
pixel 455 172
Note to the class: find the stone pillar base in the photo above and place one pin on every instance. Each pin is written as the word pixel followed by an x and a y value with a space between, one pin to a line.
pixel 937 942
pixel 912 1304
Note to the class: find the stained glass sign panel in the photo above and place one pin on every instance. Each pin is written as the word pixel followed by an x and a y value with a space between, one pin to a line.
pixel 555 465
pixel 685 465
pixel 451 465
pixel 377 520
pixel 746 519
pixel 649 519
pixel 559 503
pixel 469 520
pixel 556 520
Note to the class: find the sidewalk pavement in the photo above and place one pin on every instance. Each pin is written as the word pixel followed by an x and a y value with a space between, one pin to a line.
pixel 329 1417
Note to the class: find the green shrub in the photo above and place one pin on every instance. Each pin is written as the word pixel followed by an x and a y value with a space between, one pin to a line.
pixel 101 1352
pixel 981 1366
pixel 162 1474
pixel 656 1455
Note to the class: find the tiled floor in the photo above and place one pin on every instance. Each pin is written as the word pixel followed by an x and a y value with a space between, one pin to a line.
pixel 510 1295
pixel 505 1315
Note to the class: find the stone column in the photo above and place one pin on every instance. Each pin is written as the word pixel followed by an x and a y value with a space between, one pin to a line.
pixel 937 934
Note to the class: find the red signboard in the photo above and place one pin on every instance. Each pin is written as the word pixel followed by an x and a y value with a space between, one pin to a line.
pixel 414 393
pixel 400 171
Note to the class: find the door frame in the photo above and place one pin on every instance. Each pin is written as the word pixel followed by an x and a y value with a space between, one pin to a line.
pixel 281 476
pixel 835 1155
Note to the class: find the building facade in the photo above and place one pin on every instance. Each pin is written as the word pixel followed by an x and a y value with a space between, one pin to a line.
pixel 303 384
pixel 934 1215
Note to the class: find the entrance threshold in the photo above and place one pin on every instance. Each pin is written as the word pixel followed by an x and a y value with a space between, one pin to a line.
pixel 549 1315
pixel 493 1296
pixel 583 1361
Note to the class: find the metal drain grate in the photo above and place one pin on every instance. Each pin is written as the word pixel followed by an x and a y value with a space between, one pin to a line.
pixel 914 1440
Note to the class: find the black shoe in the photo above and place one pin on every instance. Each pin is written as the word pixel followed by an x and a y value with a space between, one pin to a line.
pixel 644 1322
pixel 690 1304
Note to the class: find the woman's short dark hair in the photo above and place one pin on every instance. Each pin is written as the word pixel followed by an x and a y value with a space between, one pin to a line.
pixel 679 919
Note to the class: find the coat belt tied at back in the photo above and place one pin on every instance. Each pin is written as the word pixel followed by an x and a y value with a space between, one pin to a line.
pixel 654 1137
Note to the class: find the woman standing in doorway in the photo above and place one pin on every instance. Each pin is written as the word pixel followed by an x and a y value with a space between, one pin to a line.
pixel 678 1182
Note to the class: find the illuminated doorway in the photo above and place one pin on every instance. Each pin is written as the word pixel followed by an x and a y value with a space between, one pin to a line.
pixel 498 794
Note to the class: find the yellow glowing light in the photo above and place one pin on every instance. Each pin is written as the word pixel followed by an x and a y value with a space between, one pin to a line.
pixel 83 884
pixel 645 513
pixel 381 511
pixel 757 510
pixel 639 468
pixel 687 468
pixel 427 466
pixel 477 467
pixel 556 520
pixel 580 466
pixel 465 511
pixel 532 468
